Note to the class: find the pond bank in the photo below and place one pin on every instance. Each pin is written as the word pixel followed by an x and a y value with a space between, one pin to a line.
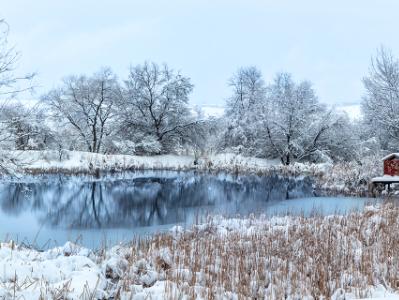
pixel 275 258
pixel 347 178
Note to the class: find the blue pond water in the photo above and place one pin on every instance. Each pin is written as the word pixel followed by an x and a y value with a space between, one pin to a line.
pixel 50 210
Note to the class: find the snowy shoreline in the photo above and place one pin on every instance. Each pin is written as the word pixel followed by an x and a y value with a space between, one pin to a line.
pixel 292 256
pixel 71 162
pixel 350 178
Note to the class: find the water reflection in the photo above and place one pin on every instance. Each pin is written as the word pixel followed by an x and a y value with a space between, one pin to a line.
pixel 141 199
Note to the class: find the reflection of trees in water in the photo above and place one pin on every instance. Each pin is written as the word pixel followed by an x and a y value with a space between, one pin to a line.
pixel 14 195
pixel 142 201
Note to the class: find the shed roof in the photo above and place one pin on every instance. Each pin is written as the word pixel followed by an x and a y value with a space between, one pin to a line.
pixel 391 156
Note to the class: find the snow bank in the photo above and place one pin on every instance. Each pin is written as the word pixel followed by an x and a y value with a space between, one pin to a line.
pixel 87 162
pixel 288 257
pixel 78 161
pixel 57 273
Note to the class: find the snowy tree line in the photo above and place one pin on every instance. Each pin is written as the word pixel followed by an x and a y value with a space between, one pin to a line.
pixel 149 113
pixel 284 120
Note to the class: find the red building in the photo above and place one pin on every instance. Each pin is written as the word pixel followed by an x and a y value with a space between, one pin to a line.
pixel 391 164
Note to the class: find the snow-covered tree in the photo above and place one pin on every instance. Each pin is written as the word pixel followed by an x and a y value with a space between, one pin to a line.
pixel 292 111
pixel 298 127
pixel 23 127
pixel 156 103
pixel 282 120
pixel 86 106
pixel 332 137
pixel 11 83
pixel 242 108
pixel 380 105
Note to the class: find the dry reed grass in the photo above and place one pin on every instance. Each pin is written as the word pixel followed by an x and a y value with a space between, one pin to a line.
pixel 292 257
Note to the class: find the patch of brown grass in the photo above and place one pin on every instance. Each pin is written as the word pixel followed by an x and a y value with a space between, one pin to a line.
pixel 278 258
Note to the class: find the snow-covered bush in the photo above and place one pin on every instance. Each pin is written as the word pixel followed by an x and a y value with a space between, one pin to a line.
pixel 139 144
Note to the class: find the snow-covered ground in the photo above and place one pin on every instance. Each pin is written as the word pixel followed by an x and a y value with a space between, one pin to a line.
pixel 386 178
pixel 291 257
pixel 78 161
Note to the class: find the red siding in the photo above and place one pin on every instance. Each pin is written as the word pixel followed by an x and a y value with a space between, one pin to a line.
pixel 391 167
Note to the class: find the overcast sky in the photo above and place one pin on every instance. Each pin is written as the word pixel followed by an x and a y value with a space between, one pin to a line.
pixel 329 44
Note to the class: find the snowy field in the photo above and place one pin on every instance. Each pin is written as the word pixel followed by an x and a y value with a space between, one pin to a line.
pixel 335 257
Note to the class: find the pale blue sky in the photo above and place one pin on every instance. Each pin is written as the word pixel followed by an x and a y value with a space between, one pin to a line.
pixel 327 42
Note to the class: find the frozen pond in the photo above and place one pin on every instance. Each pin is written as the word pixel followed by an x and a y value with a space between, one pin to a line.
pixel 49 210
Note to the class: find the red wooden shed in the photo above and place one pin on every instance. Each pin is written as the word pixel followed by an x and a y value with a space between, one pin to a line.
pixel 391 164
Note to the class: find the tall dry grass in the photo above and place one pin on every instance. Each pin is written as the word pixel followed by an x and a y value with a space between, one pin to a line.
pixel 282 258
